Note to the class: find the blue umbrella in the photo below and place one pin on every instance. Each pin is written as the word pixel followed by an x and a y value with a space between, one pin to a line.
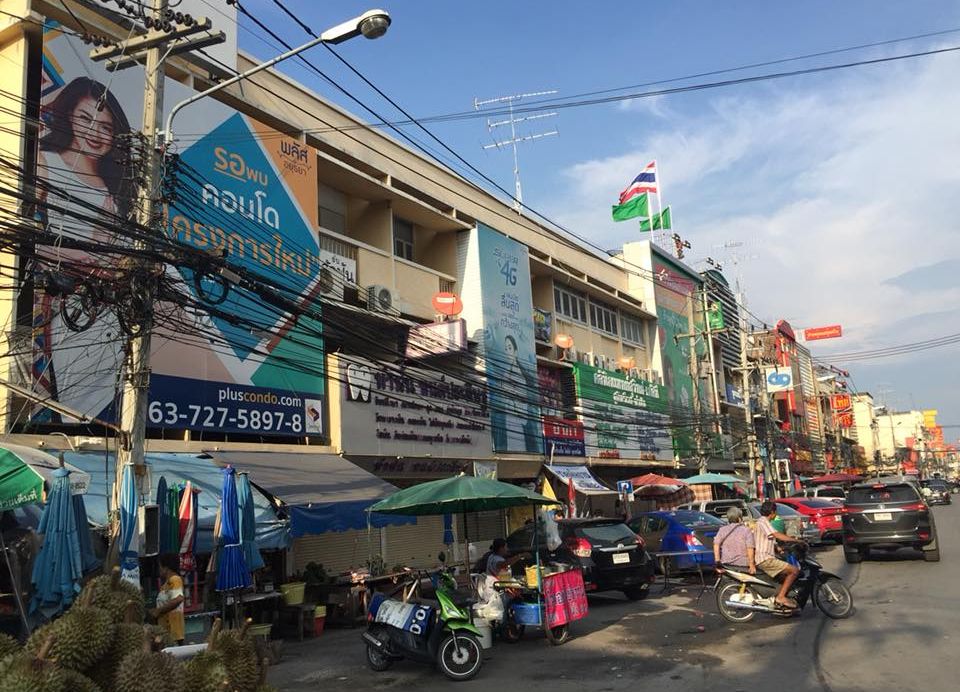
pixel 88 559
pixel 163 516
pixel 248 523
pixel 129 559
pixel 232 572
pixel 59 567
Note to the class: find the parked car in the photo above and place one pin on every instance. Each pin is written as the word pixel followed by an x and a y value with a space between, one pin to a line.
pixel 612 557
pixel 674 531
pixel 826 492
pixel 887 516
pixel 825 514
pixel 797 524
pixel 717 508
pixel 935 492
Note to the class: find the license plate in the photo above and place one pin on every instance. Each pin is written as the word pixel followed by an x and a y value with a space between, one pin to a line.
pixel 882 516
pixel 620 558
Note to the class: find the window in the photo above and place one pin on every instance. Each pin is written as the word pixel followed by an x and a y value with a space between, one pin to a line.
pixel 603 318
pixel 632 330
pixel 569 304
pixel 332 209
pixel 402 238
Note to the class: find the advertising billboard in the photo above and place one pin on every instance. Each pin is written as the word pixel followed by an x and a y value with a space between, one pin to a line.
pixel 498 305
pixel 815 333
pixel 778 379
pixel 244 192
pixel 623 417
pixel 387 410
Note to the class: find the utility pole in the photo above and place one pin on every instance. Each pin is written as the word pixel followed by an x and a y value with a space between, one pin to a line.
pixel 718 428
pixel 745 371
pixel 514 139
pixel 162 38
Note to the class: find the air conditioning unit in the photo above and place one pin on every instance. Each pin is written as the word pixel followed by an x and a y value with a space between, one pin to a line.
pixel 380 299
pixel 330 283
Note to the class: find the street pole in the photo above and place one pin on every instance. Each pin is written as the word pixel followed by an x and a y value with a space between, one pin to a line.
pixel 136 381
pixel 718 428
pixel 745 370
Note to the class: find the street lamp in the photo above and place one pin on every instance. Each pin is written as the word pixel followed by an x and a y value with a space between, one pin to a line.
pixel 371 24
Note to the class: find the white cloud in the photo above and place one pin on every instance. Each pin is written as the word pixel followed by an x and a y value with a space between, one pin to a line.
pixel 840 183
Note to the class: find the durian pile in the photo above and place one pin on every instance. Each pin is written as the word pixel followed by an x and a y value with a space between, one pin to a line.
pixel 101 644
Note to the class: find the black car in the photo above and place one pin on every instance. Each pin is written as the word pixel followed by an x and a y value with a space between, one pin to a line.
pixel 936 492
pixel 612 557
pixel 887 516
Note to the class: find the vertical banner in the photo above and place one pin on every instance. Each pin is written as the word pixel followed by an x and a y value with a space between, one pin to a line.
pixel 498 306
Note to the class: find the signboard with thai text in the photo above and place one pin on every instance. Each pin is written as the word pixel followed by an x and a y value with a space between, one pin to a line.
pixel 832 332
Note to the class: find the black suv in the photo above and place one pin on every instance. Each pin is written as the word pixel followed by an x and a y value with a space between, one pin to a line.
pixel 612 557
pixel 887 515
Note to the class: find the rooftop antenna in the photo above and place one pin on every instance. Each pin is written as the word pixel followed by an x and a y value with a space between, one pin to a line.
pixel 514 139
pixel 736 254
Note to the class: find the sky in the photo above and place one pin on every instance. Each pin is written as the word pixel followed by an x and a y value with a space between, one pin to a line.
pixel 840 187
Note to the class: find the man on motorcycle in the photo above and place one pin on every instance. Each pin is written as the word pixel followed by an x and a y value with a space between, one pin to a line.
pixel 734 543
pixel 766 545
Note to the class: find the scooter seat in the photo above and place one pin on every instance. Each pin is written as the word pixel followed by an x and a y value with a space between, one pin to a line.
pixel 463 599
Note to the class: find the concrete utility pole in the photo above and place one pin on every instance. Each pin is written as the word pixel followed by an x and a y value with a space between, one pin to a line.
pixel 153 48
pixel 745 371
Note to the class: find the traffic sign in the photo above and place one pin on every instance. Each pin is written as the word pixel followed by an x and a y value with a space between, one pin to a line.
pixel 625 487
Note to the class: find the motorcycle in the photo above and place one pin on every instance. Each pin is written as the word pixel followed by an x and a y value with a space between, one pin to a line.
pixel 438 633
pixel 741 595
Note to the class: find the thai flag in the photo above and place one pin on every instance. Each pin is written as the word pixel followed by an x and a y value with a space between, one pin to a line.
pixel 645 182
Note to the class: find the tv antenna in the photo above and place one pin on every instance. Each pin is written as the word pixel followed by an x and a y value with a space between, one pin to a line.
pixel 515 139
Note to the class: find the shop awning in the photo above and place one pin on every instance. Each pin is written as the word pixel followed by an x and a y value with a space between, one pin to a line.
pixel 322 492
pixel 201 471
pixel 583 480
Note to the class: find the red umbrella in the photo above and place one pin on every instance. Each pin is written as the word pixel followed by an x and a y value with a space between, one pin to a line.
pixel 831 478
pixel 188 523
pixel 653 485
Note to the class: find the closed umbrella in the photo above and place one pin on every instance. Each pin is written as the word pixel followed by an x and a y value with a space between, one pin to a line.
pixel 58 568
pixel 232 572
pixel 88 559
pixel 173 525
pixel 248 523
pixel 187 523
pixel 129 558
pixel 571 497
pixel 163 516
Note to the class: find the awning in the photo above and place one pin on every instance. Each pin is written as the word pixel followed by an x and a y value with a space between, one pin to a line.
pixel 322 492
pixel 201 471
pixel 583 480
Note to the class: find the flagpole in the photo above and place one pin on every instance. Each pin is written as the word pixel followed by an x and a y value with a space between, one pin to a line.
pixel 656 169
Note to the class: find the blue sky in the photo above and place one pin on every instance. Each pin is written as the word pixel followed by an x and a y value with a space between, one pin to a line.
pixel 841 185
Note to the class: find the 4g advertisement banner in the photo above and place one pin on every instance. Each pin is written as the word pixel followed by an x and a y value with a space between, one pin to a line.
pixel 224 363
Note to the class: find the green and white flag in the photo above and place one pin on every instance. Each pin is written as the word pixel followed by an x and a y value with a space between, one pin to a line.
pixel 632 208
pixel 659 221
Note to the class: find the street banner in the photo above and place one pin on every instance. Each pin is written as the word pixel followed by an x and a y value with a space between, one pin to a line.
pixel 565 597
pixel 832 332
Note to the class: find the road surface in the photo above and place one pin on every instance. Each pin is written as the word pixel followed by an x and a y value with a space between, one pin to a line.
pixel 903 636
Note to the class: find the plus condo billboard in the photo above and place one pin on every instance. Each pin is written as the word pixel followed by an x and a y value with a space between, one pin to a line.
pixel 227 355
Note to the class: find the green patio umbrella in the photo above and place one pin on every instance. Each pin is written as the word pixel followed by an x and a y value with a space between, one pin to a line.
pixel 459 495
pixel 23 472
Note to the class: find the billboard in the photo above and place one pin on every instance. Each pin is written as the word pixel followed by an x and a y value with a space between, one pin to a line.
pixel 778 379
pixel 495 280
pixel 623 417
pixel 832 332
pixel 388 410
pixel 243 191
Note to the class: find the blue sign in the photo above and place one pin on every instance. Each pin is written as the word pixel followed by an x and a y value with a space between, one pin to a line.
pixel 177 402
pixel 779 379
pixel 625 487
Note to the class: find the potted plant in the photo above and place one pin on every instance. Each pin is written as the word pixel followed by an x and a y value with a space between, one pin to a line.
pixel 318 583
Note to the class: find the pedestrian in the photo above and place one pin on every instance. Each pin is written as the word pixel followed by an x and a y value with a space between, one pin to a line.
pixel 169 609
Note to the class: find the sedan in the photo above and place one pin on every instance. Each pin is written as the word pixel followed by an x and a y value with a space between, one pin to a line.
pixel 935 492
pixel 827 516
pixel 679 531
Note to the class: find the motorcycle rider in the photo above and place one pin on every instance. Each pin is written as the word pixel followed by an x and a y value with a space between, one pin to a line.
pixel 734 544
pixel 766 538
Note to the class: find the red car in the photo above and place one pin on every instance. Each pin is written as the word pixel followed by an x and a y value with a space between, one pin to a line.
pixel 826 515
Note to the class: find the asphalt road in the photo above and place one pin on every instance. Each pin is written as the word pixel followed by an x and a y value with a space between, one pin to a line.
pixel 902 636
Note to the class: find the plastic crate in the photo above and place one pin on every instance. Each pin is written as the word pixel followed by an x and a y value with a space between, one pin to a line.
pixel 526 613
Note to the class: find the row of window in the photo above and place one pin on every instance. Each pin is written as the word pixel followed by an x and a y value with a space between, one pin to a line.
pixel 604 318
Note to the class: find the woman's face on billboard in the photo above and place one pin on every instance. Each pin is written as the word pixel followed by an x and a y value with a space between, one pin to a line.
pixel 92 128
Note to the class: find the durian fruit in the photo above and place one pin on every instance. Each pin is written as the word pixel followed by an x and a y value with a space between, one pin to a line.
pixel 8 645
pixel 150 671
pixel 206 672
pixel 78 682
pixel 81 637
pixel 240 657
pixel 24 672
pixel 115 595
pixel 128 639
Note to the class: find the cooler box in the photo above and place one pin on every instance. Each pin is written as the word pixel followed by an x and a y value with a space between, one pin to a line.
pixel 526 613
